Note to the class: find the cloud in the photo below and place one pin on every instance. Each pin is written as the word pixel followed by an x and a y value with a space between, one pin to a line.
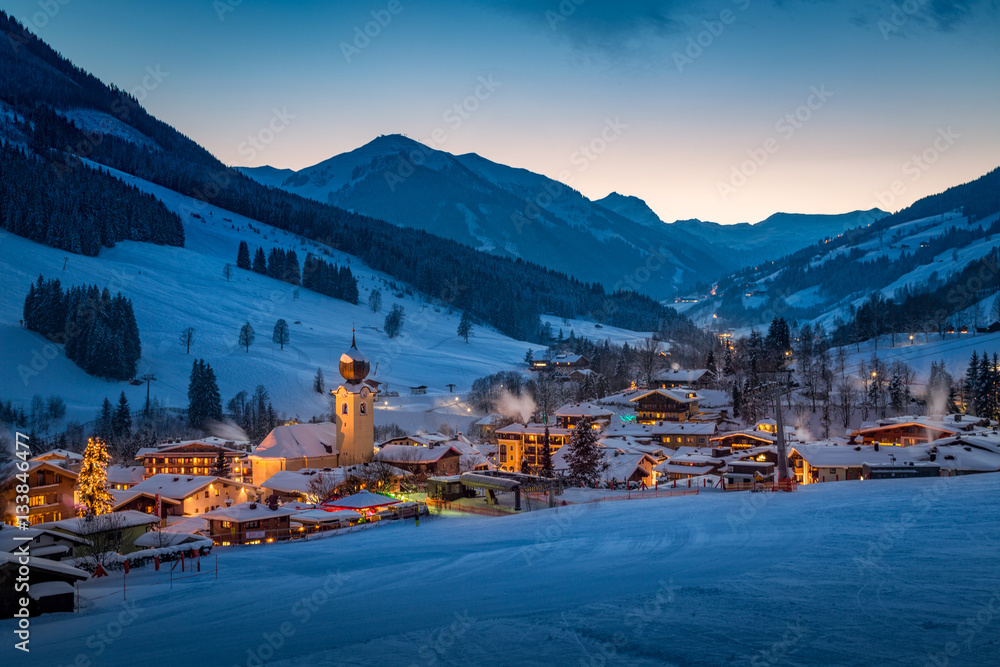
pixel 623 24
pixel 938 15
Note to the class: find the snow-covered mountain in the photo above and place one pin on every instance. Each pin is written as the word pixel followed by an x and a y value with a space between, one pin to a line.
pixel 506 211
pixel 775 237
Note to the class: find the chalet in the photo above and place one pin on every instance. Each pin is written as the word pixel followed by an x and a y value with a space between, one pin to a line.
pixel 744 439
pixel 518 443
pixel 629 468
pixel 42 543
pixel 194 494
pixel 249 523
pixel 419 460
pixel 489 424
pixel 50 492
pixel 744 474
pixel 147 503
pixel 581 375
pixel 122 478
pixel 419 390
pixel 569 415
pixel 295 447
pixel 315 520
pixel 908 431
pixel 130 523
pixel 568 362
pixel 52 585
pixel 683 434
pixel 301 485
pixel 688 464
pixel 191 457
pixel 63 458
pixel 700 378
pixel 665 405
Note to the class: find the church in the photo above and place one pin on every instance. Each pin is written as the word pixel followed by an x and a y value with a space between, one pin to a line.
pixel 348 440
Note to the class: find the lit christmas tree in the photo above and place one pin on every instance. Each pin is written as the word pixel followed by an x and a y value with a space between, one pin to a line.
pixel 93 479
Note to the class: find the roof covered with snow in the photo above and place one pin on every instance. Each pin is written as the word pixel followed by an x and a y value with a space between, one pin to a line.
pixel 362 500
pixel 248 512
pixel 414 453
pixel 81 526
pixel 180 486
pixel 299 440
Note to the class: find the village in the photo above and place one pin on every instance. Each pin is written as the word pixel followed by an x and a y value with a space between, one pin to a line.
pixel 77 518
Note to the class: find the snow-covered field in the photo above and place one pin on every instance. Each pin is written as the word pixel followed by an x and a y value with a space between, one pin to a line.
pixel 850 573
pixel 175 288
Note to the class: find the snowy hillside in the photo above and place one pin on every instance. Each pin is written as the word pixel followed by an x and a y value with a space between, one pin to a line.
pixel 174 288
pixel 854 573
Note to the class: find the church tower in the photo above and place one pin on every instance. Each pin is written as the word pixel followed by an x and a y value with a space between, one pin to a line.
pixel 353 402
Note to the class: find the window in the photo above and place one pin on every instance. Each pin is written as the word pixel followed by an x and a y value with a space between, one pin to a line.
pixel 227 524
pixel 252 524
pixel 343 409
pixel 206 493
pixel 363 408
pixel 216 493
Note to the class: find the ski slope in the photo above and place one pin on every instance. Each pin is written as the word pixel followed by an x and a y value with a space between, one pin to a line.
pixel 851 573
pixel 175 288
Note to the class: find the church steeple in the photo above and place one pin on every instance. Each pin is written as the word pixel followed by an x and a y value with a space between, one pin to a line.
pixel 354 366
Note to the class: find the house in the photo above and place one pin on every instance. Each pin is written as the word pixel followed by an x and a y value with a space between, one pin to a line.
pixel 50 492
pixel 148 503
pixel 665 405
pixel 295 447
pixel 419 390
pixel 301 485
pixel 688 464
pixel 747 439
pixel 489 424
pixel 569 415
pixel 520 443
pixel 437 460
pixel 130 524
pixel 63 458
pixel 40 543
pixel 699 378
pixel 190 457
pixel 123 478
pixel 195 494
pixel 249 523
pixel 315 520
pixel 909 431
pixel 628 467
pixel 52 585
pixel 744 474
pixel 568 362
pixel 581 375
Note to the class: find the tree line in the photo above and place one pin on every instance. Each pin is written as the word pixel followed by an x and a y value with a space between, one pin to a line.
pixel 99 331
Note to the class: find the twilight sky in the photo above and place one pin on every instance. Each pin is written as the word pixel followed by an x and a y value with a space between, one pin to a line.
pixel 725 110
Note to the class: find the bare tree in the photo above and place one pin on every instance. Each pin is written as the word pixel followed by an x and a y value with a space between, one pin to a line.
pixel 227 271
pixel 187 337
pixel 649 359
pixel 106 534
pixel 322 486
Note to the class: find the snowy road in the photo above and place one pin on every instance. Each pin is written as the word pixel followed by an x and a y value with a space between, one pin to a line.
pixel 859 573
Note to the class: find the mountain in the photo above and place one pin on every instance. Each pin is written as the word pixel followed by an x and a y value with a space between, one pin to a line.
pixel 505 211
pixel 72 123
pixel 927 267
pixel 778 235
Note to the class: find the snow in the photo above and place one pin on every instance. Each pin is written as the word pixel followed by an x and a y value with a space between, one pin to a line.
pixel 413 453
pixel 247 512
pixel 178 487
pixel 362 500
pixel 81 526
pixel 851 573
pixel 98 122
pixel 173 288
pixel 299 440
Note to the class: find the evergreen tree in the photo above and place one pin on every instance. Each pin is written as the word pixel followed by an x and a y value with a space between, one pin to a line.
pixel 122 421
pixel 105 429
pixel 972 386
pixel 204 401
pixel 546 456
pixel 292 273
pixel 465 326
pixel 529 356
pixel 243 256
pixel 585 459
pixel 280 334
pixel 393 324
pixel 318 382
pixel 92 482
pixel 247 336
pixel 260 262
pixel 221 468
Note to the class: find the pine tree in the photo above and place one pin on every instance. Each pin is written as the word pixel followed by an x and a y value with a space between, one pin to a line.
pixel 204 401
pixel 546 456
pixel 585 459
pixel 465 326
pixel 106 421
pixel 243 256
pixel 221 467
pixel 260 262
pixel 972 375
pixel 318 382
pixel 280 334
pixel 247 336
pixel 92 483
pixel 122 423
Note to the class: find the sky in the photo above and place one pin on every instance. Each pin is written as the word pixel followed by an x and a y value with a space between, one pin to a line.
pixel 722 110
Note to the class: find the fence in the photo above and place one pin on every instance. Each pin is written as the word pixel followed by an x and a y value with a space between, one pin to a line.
pixel 442 505
pixel 643 494
pixel 783 485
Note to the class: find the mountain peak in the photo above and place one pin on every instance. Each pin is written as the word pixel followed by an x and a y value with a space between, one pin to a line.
pixel 631 207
